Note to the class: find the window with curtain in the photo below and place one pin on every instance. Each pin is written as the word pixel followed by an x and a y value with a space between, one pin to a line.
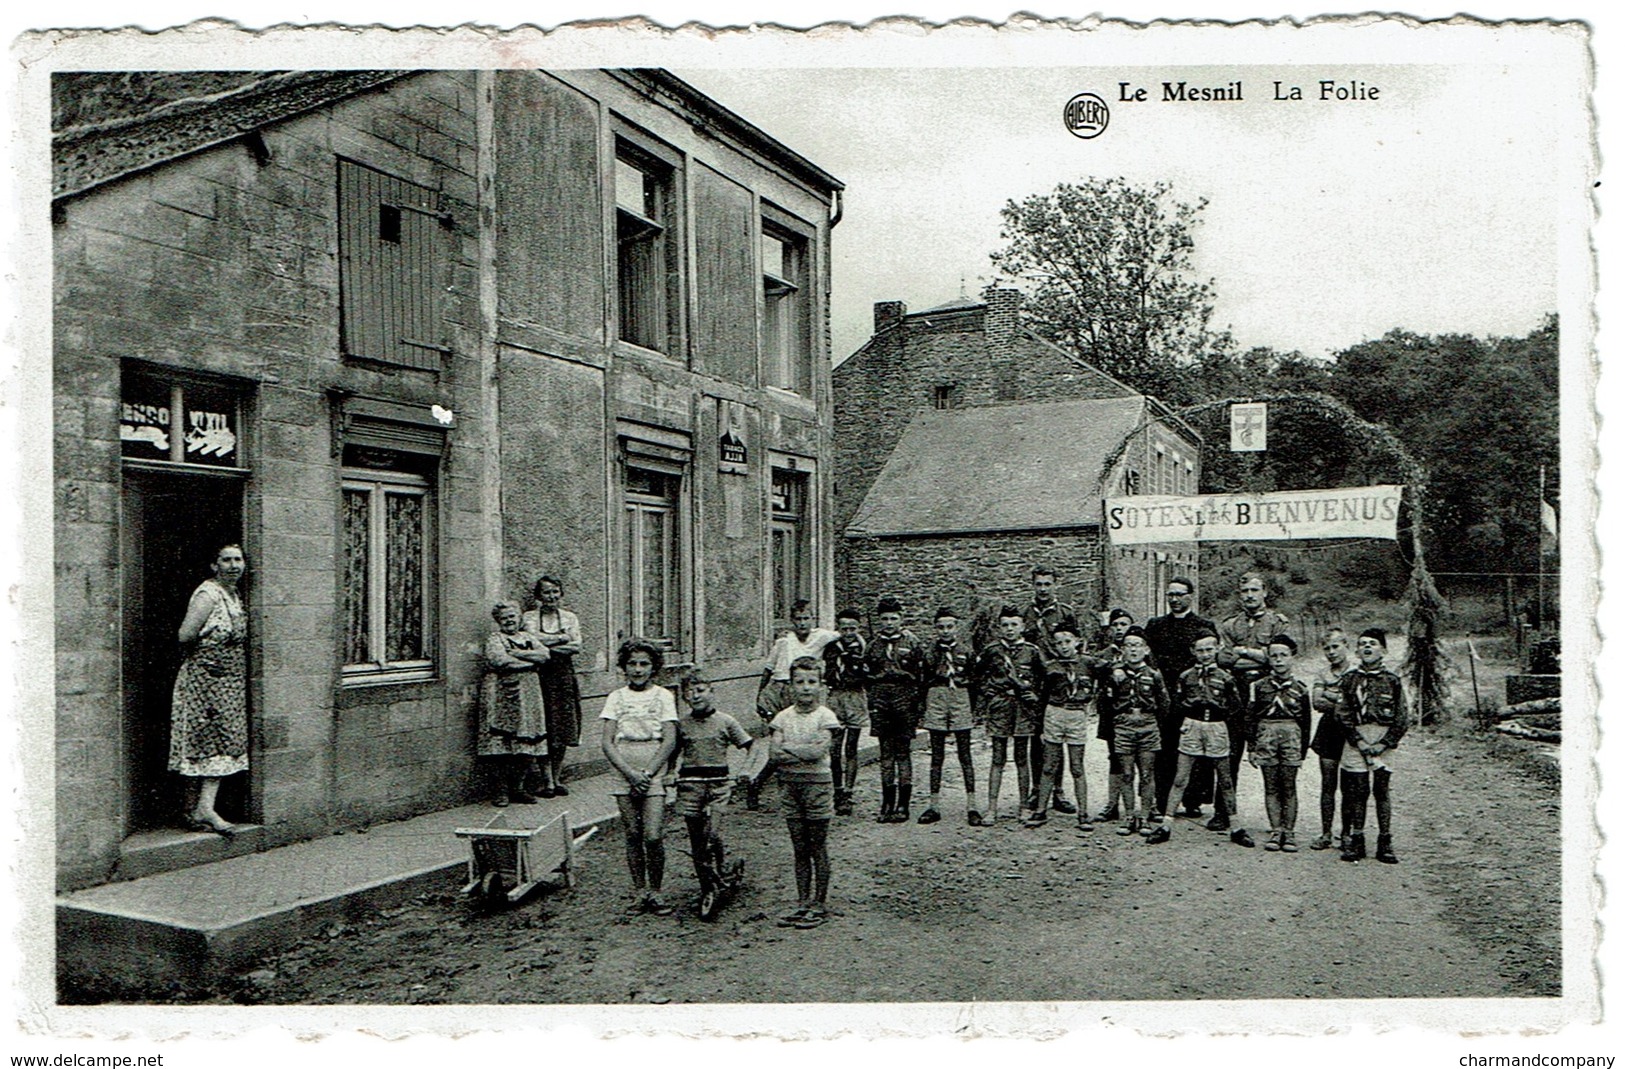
pixel 387 557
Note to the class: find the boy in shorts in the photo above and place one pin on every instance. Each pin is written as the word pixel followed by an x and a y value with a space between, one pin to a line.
pixel 1278 712
pixel 947 712
pixel 1326 691
pixel 895 666
pixel 1069 690
pixel 1375 715
pixel 1139 701
pixel 1008 674
pixel 1207 700
pixel 1104 652
pixel 802 738
pixel 773 693
pixel 704 737
pixel 847 680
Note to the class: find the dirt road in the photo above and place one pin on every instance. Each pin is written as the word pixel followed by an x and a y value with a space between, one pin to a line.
pixel 953 913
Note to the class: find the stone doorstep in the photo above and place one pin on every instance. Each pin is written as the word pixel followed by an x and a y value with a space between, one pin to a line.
pixel 151 852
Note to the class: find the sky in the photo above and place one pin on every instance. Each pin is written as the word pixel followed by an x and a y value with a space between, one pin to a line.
pixel 1327 223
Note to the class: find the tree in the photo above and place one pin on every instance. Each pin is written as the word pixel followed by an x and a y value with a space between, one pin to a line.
pixel 1106 268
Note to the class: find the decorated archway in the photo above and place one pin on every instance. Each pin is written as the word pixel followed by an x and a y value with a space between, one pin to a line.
pixel 1425 662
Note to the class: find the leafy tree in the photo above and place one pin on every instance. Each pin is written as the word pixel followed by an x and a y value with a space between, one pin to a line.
pixel 1106 268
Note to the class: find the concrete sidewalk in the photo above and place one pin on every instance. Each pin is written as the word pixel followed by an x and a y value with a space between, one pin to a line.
pixel 192 926
pixel 195 924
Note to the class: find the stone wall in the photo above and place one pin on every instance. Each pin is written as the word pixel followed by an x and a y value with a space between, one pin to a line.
pixel 967 572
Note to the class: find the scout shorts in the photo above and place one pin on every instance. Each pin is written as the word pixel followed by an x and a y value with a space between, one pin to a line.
pixel 1067 726
pixel 1279 742
pixel 1204 738
pixel 1354 761
pixel 1134 737
pixel 851 707
pixel 947 709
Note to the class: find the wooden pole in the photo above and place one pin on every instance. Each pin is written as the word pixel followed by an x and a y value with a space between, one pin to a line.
pixel 1472 668
pixel 1540 558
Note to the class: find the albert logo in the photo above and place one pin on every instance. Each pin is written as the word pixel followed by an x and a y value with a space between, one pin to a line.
pixel 1086 116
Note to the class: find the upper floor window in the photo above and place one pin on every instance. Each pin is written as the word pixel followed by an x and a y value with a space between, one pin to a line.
pixel 389 262
pixel 945 396
pixel 646 243
pixel 786 324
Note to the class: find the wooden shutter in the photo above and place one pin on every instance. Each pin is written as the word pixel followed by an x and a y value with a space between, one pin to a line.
pixel 726 278
pixel 389 261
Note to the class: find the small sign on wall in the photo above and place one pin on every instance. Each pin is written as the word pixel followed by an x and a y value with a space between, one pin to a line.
pixel 1249 428
pixel 733 448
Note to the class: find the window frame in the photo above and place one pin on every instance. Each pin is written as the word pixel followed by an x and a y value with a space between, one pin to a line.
pixel 665 228
pixel 380 484
pixel 796 522
pixel 669 455
pixel 787 314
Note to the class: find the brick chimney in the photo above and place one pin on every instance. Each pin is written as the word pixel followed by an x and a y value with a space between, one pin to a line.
pixel 1000 323
pixel 887 313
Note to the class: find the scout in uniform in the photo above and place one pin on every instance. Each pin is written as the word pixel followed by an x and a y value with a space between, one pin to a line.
pixel 1008 674
pixel 947 712
pixel 1138 700
pixel 1207 700
pixel 1243 651
pixel 847 680
pixel 1042 619
pixel 1374 715
pixel 1278 713
pixel 895 665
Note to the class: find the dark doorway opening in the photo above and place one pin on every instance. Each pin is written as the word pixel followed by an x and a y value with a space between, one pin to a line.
pixel 173 523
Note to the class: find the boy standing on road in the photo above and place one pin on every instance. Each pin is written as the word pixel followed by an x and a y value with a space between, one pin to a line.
pixel 847 680
pixel 802 738
pixel 1375 716
pixel 1069 690
pixel 895 665
pixel 947 712
pixel 1243 651
pixel 802 640
pixel 1008 674
pixel 1326 690
pixel 1207 700
pixel 1042 619
pixel 1278 714
pixel 704 736
pixel 1105 652
pixel 1139 701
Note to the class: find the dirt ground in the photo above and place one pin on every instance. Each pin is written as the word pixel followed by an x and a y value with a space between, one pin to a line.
pixel 948 912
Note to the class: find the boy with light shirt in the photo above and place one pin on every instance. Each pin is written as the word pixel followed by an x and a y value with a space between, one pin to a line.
pixel 802 738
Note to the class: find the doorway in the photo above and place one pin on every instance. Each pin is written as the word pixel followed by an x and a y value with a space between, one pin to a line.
pixel 173 523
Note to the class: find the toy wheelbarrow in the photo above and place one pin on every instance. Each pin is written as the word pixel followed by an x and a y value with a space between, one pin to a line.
pixel 506 864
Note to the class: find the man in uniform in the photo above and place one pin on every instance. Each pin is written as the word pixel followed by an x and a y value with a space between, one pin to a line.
pixel 1046 615
pixel 1171 638
pixel 1244 650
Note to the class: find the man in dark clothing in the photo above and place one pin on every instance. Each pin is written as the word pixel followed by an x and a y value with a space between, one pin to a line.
pixel 1171 638
pixel 1244 649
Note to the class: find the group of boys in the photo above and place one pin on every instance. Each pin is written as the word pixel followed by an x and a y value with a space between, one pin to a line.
pixel 1180 702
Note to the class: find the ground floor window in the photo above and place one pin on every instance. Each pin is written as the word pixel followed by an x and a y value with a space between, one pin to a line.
pixel 791 549
pixel 653 556
pixel 388 561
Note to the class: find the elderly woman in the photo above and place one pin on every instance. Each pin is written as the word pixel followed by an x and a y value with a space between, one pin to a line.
pixel 560 631
pixel 208 738
pixel 513 728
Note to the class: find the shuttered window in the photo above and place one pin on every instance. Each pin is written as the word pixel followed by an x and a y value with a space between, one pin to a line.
pixel 390 257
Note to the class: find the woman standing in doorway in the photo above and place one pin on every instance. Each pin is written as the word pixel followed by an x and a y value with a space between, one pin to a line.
pixel 561 691
pixel 208 737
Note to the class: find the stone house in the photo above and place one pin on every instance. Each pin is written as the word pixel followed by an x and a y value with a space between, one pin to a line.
pixel 968 450
pixel 413 338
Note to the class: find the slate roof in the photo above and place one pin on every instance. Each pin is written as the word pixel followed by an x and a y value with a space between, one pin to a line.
pixel 999 468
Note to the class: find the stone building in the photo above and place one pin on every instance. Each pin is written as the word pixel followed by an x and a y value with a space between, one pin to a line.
pixel 968 449
pixel 413 338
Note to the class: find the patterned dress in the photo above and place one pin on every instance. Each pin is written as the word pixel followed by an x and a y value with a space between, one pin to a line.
pixel 208 733
pixel 514 719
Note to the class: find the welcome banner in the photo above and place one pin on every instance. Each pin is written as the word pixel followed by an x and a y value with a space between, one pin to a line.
pixel 1347 512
